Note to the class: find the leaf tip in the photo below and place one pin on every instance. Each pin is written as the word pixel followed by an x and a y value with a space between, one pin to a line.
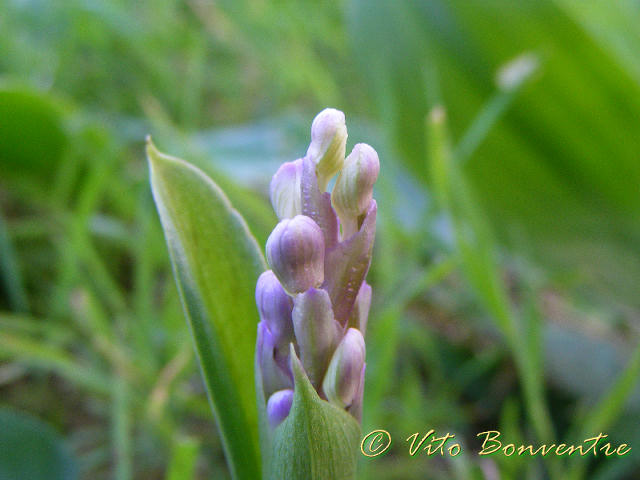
pixel 302 384
pixel 152 151
pixel 159 161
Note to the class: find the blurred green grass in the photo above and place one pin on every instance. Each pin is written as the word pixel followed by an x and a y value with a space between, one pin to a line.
pixel 537 272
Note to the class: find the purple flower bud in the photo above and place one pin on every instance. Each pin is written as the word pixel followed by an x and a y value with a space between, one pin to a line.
pixel 275 308
pixel 342 380
pixel 347 265
pixel 328 143
pixel 278 406
pixel 316 331
pixel 353 191
pixel 295 252
pixel 274 378
pixel 285 190
pixel 360 312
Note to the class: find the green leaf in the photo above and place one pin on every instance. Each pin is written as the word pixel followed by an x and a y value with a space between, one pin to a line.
pixel 32 137
pixel 31 449
pixel 216 262
pixel 317 440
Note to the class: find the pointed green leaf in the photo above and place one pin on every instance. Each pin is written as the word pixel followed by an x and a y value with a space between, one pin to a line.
pixel 317 440
pixel 216 262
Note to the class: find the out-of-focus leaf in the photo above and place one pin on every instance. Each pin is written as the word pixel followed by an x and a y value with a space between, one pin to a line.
pixel 10 272
pixel 216 262
pixel 41 356
pixel 477 250
pixel 317 441
pixel 251 153
pixel 558 175
pixel 31 449
pixel 243 158
pixel 614 25
pixel 32 138
pixel 183 459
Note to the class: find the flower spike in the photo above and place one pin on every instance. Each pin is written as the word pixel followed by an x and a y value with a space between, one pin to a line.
pixel 314 302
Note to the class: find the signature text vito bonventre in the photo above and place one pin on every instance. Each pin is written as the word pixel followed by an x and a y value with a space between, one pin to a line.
pixel 378 441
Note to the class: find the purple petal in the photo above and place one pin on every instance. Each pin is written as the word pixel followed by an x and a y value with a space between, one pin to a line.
pixel 356 407
pixel 316 332
pixel 274 378
pixel 346 266
pixel 360 312
pixel 317 204
pixel 278 406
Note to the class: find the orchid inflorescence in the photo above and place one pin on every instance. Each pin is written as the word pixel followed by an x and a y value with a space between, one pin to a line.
pixel 315 296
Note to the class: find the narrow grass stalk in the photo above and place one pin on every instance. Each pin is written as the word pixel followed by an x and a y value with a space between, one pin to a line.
pixel 490 113
pixel 477 250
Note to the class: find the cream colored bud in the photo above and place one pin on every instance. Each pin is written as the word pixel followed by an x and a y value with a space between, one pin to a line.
pixel 353 191
pixel 328 144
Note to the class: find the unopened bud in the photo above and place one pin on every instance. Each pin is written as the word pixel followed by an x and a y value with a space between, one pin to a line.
pixel 285 190
pixel 295 252
pixel 278 406
pixel 353 191
pixel 328 143
pixel 275 306
pixel 342 380
pixel 273 376
pixel 316 331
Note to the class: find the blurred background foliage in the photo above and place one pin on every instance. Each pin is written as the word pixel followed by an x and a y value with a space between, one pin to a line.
pixel 507 261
